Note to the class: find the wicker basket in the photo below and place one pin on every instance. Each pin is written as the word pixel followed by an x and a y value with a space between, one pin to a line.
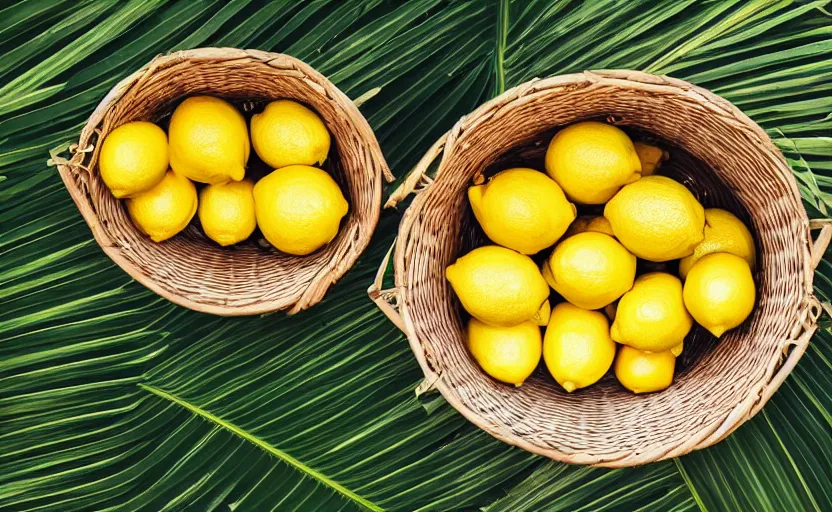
pixel 188 269
pixel 720 154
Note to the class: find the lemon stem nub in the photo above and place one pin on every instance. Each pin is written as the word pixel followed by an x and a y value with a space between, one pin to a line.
pixel 569 386
pixel 542 316
pixel 717 330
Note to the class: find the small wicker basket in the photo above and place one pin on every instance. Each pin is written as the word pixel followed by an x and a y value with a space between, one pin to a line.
pixel 720 154
pixel 188 269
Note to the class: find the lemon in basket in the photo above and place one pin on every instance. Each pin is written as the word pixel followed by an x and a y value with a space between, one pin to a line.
pixel 657 219
pixel 591 161
pixel 134 158
pixel 598 224
pixel 226 211
pixel 644 372
pixel 165 209
pixel 299 208
pixel 499 286
pixel 522 209
pixel 590 270
pixel 208 140
pixel 652 315
pixel 651 157
pixel 577 347
pixel 719 292
pixel 724 232
pixel 288 133
pixel 509 354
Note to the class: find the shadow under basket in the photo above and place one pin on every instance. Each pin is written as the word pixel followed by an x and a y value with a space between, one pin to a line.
pixel 717 152
pixel 189 269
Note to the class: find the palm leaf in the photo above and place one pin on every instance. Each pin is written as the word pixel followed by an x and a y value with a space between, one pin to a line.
pixel 112 398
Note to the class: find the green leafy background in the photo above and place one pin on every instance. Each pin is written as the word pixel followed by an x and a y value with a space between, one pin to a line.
pixel 114 399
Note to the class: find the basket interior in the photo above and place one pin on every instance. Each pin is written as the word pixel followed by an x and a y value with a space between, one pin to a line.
pixel 724 167
pixel 255 169
pixel 249 277
pixel 682 166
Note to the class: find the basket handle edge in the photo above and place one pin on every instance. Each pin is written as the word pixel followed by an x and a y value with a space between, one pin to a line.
pixel 418 175
pixel 821 242
pixel 386 300
pixel 799 346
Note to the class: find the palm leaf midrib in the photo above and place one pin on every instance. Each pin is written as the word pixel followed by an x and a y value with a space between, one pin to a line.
pixel 263 445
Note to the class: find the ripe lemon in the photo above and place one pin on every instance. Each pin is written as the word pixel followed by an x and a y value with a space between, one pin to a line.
pixel 577 347
pixel 165 209
pixel 499 286
pixel 724 232
pixel 208 140
pixel 657 219
pixel 652 316
pixel 299 208
pixel 522 209
pixel 643 372
pixel 719 292
pixel 591 270
pixel 597 224
pixel 226 211
pixel 651 158
pixel 134 158
pixel 591 161
pixel 677 350
pixel 288 133
pixel 546 272
pixel 509 354
pixel 541 318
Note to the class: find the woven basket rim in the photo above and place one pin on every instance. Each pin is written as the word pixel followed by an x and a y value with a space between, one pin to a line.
pixel 393 302
pixel 325 276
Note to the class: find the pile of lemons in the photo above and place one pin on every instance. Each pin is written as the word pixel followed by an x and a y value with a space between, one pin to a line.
pixel 594 265
pixel 297 207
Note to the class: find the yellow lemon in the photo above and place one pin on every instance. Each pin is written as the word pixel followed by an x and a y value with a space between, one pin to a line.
pixel 546 272
pixel 499 286
pixel 591 270
pixel 134 158
pixel 644 372
pixel 597 224
pixel 165 209
pixel 577 347
pixel 208 140
pixel 591 161
pixel 652 316
pixel 541 318
pixel 677 350
pixel 719 292
pixel 522 209
pixel 288 133
pixel 579 225
pixel 724 232
pixel 509 354
pixel 299 208
pixel 226 211
pixel 657 219
pixel 651 157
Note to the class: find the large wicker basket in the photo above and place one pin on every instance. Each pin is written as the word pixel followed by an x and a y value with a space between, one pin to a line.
pixel 718 152
pixel 188 269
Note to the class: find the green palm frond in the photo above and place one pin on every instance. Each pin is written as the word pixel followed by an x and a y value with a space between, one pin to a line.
pixel 113 399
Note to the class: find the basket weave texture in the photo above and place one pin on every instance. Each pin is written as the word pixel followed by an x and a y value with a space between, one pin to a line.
pixel 188 269
pixel 723 157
